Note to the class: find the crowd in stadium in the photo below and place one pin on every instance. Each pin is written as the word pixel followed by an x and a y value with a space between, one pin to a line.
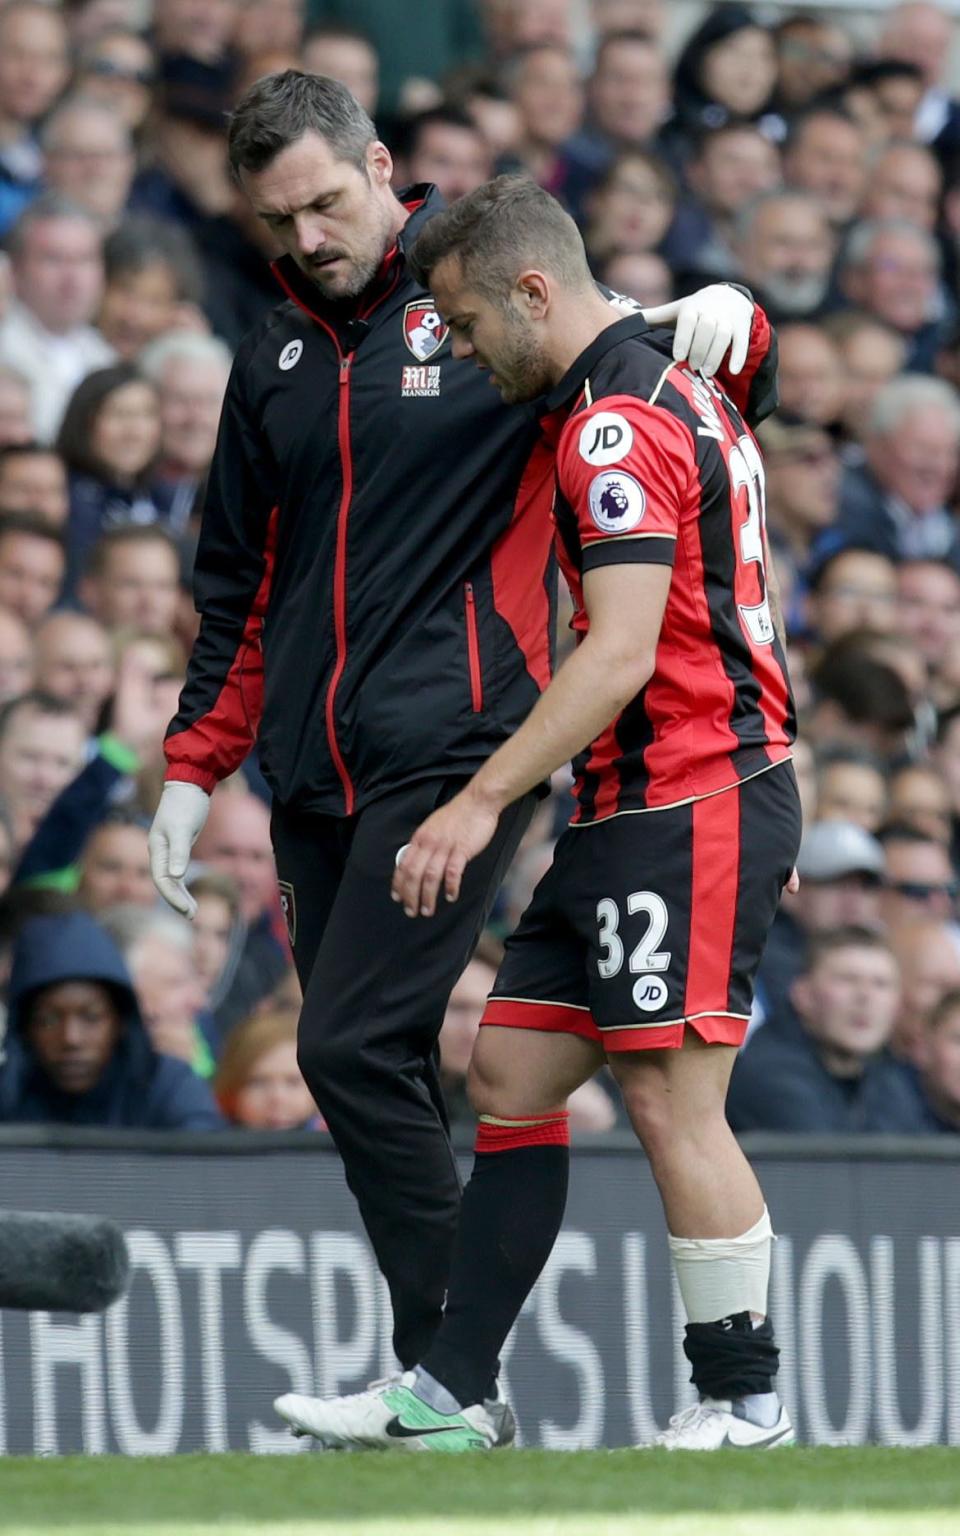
pixel 816 162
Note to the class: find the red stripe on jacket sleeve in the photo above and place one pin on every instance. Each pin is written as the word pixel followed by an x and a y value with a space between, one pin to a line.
pixel 214 746
pixel 519 564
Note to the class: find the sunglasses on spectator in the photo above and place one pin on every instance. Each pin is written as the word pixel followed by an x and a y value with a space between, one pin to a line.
pixel 914 890
pixel 108 70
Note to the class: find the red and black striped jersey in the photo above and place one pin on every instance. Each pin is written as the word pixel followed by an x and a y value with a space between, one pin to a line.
pixel 656 464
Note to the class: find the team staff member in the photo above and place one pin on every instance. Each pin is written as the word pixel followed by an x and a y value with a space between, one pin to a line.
pixel 374 579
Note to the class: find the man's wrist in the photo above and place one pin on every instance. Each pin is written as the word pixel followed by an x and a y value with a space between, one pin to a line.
pixel 486 794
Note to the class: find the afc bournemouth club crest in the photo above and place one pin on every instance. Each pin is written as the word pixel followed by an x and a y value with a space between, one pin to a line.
pixel 423 330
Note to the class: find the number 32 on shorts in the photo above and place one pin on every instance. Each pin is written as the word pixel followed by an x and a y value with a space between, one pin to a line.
pixel 647 959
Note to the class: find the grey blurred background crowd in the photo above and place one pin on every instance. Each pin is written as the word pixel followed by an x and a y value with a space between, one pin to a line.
pixel 811 154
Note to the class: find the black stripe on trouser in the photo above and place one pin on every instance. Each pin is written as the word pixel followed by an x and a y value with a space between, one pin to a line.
pixel 377 985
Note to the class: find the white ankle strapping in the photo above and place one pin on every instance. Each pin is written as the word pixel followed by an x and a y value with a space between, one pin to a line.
pixel 718 1276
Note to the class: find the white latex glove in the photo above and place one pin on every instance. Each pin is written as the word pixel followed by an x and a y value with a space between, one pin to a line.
pixel 177 825
pixel 708 323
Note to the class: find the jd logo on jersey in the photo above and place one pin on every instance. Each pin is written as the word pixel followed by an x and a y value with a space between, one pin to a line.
pixel 291 355
pixel 423 330
pixel 606 438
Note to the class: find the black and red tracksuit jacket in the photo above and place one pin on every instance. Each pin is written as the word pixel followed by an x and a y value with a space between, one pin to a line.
pixel 374 573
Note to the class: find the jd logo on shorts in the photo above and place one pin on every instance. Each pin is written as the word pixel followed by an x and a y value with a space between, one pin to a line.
pixel 649 993
pixel 288 906
pixel 290 356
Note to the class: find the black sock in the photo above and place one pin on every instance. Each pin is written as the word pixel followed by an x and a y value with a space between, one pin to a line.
pixel 512 1211
pixel 732 1358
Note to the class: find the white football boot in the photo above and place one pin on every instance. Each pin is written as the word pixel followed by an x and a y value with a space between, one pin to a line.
pixel 711 1425
pixel 390 1416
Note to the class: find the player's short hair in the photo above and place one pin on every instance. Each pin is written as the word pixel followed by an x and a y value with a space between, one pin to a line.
pixel 847 936
pixel 504 226
pixel 279 109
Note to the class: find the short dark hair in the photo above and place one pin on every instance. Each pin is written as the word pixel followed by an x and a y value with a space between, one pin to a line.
pixel 279 109
pixel 411 130
pixel 40 701
pixel 497 230
pixel 848 936
pixel 34 525
pixel 128 533
pixel 868 690
pixel 142 242
pixel 904 831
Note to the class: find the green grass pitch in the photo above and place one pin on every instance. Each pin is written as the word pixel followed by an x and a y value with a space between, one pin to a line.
pixel 822 1492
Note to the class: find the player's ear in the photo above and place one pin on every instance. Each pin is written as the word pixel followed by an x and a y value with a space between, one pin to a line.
pixel 534 292
pixel 379 163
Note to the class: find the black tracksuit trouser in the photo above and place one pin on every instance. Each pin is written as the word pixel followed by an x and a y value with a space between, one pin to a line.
pixel 375 986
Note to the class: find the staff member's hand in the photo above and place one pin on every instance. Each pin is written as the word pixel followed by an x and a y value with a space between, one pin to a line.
pixel 439 852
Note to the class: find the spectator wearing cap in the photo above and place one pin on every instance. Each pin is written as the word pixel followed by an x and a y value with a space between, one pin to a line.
pixel 77 1052
pixel 48 333
pixel 840 868
pixel 898 502
pixel 34 68
pixel 835 1074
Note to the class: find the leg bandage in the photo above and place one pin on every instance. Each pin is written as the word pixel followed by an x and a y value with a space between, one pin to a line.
pixel 498 1134
pixel 719 1276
